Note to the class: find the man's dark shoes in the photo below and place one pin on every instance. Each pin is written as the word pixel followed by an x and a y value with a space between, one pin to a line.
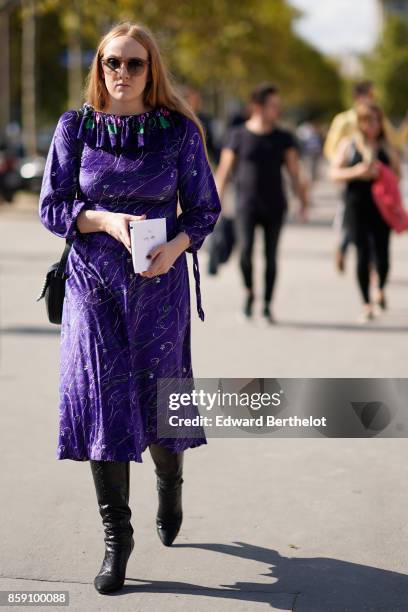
pixel 267 315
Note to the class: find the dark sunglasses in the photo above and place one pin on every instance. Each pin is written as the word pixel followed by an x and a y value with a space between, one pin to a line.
pixel 134 65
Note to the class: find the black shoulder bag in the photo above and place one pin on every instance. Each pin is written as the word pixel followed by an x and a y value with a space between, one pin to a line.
pixel 53 290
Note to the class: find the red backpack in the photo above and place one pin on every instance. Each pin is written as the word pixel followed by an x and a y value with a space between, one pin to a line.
pixel 388 198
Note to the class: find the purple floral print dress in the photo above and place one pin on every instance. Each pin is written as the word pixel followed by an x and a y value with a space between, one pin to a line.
pixel 121 332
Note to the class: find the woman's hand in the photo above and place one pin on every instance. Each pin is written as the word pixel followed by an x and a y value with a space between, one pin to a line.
pixel 163 257
pixel 117 226
pixel 366 171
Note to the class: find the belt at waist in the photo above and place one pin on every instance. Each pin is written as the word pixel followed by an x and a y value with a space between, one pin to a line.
pixel 196 272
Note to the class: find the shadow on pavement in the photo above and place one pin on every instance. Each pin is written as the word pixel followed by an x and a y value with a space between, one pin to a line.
pixel 30 329
pixel 315 584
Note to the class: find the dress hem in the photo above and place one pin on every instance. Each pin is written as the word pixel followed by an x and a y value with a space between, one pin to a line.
pixel 137 459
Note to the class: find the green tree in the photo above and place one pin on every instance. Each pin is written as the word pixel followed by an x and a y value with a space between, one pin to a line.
pixel 223 47
pixel 388 67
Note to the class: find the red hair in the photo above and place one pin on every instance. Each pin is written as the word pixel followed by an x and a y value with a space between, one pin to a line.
pixel 159 89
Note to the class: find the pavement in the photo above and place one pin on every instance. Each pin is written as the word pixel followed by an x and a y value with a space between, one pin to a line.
pixel 307 525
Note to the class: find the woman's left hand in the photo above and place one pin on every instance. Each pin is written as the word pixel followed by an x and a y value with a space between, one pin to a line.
pixel 374 169
pixel 163 257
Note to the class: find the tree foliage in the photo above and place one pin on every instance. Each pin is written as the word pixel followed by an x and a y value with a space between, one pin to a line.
pixel 223 47
pixel 388 66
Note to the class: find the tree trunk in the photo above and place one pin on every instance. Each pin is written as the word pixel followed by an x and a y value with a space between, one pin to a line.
pixel 4 73
pixel 28 103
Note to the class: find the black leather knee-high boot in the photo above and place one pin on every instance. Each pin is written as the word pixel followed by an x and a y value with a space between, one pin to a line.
pixel 169 471
pixel 111 480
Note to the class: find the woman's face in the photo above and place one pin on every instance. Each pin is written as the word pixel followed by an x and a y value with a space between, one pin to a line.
pixel 125 81
pixel 370 125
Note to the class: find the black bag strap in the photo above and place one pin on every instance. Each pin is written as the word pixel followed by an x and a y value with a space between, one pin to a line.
pixel 63 260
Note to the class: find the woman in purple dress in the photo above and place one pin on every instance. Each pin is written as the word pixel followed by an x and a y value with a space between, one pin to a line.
pixel 132 151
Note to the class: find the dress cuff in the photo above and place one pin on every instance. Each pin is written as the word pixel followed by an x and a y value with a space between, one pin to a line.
pixel 195 243
pixel 71 219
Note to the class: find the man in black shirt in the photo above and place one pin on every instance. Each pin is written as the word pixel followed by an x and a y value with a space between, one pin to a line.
pixel 255 152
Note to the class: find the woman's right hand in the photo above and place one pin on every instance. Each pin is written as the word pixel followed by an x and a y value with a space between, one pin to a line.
pixel 117 226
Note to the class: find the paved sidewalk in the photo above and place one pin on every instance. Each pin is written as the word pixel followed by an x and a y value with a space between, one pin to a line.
pixel 310 525
pixel 318 334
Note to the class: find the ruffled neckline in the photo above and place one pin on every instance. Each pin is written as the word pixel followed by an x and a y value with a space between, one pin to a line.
pixel 114 132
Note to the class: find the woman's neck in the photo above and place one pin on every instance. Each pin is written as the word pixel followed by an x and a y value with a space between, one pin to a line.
pixel 367 146
pixel 133 107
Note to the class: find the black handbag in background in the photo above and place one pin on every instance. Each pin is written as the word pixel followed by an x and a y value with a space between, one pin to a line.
pixel 53 290
pixel 222 243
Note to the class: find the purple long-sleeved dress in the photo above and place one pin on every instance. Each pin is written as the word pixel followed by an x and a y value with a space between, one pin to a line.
pixel 121 332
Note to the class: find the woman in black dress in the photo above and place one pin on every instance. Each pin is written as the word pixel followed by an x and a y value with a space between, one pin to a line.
pixel 356 164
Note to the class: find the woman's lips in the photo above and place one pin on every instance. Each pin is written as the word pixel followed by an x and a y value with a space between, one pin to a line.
pixel 121 85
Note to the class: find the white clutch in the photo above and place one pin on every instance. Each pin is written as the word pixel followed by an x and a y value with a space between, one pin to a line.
pixel 144 235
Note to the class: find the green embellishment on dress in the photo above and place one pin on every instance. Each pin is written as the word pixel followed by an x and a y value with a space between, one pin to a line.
pixel 158 117
pixel 89 123
pixel 163 122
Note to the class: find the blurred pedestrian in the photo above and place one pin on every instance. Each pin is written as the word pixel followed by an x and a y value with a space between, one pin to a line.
pixel 311 146
pixel 256 152
pixel 344 125
pixel 355 164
